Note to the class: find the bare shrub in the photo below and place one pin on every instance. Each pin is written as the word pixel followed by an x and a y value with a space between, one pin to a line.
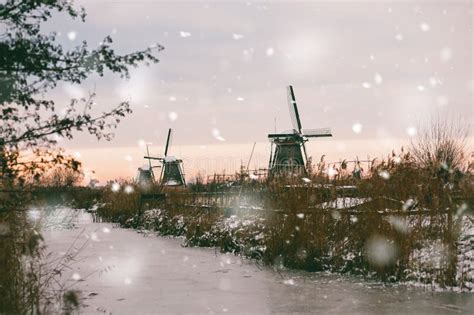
pixel 440 147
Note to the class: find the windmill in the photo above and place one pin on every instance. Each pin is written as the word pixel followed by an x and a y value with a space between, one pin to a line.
pixel 171 169
pixel 286 156
pixel 146 177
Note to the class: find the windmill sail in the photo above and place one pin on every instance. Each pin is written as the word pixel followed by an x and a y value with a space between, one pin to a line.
pixel 168 140
pixel 319 132
pixel 295 116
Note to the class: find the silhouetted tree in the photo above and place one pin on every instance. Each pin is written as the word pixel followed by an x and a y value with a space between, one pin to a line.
pixel 31 64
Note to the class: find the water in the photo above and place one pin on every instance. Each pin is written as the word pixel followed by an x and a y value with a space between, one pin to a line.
pixel 125 272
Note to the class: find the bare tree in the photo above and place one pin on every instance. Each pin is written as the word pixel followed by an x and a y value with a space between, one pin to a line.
pixel 33 63
pixel 440 147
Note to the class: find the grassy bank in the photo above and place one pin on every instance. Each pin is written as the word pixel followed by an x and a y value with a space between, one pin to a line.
pixel 402 223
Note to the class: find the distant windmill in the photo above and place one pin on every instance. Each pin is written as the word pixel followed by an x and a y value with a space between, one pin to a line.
pixel 171 170
pixel 145 175
pixel 286 156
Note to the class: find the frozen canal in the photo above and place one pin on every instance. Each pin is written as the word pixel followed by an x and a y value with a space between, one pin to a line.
pixel 125 272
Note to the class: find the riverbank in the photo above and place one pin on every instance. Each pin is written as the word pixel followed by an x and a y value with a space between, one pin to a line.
pixel 272 239
pixel 121 271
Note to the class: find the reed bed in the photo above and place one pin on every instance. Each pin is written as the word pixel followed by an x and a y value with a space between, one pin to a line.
pixel 379 226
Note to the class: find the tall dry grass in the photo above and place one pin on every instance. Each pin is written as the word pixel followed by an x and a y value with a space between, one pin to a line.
pixel 407 205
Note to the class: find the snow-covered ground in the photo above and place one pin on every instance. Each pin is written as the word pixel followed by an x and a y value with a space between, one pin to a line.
pixel 125 272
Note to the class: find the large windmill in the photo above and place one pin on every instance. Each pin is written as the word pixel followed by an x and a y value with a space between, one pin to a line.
pixel 286 156
pixel 171 170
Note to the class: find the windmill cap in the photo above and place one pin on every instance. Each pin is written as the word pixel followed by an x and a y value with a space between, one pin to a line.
pixel 170 159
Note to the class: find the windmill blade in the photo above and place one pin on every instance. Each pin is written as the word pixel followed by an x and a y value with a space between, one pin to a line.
pixel 305 154
pixel 168 142
pixel 319 132
pixel 148 154
pixel 295 116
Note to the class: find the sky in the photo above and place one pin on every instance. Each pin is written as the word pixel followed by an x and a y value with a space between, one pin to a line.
pixel 375 72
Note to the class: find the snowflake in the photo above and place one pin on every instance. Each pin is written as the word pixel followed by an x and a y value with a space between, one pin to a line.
pixel 216 133
pixel 289 282
pixel 71 35
pixel 411 131
pixel 357 128
pixel 384 174
pixel 270 51
pixel 115 187
pixel 94 237
pixel 380 251
pixel 445 54
pixel 366 85
pixel 172 116
pixel 237 36
pixel 378 78
pixel 184 34
pixel 425 27
pixel 434 81
pixel 128 189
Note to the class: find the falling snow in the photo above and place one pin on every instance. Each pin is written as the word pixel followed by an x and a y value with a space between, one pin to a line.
pixel 357 128
pixel 115 187
pixel 270 51
pixel 411 131
pixel 172 116
pixel 71 35
pixel 378 79
pixel 184 34
pixel 424 27
pixel 384 174
pixel 445 54
pixel 217 134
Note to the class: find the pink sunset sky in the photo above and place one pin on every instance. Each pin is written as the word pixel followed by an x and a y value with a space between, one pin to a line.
pixel 373 71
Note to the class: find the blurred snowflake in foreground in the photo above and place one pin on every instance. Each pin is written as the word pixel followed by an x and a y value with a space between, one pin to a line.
pixel 445 54
pixel 237 36
pixel 270 51
pixel 115 187
pixel 411 131
pixel 357 127
pixel 380 251
pixel 71 35
pixel 425 27
pixel 173 116
pixel 128 189
pixel 216 134
pixel 289 282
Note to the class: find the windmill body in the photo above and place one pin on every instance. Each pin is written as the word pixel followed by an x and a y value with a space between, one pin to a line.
pixel 172 172
pixel 145 176
pixel 288 156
